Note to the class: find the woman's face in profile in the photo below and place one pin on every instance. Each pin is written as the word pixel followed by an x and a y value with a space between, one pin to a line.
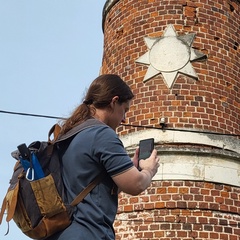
pixel 118 113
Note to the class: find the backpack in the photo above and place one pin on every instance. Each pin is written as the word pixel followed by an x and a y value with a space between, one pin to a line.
pixel 36 198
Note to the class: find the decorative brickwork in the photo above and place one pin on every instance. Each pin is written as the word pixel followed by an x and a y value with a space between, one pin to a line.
pixel 180 210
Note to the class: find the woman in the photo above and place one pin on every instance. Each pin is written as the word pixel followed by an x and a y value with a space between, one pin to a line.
pixel 98 148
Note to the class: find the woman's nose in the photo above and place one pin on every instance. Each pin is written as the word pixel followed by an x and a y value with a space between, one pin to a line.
pixel 124 119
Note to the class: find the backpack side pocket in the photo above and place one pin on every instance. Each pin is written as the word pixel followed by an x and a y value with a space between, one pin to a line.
pixel 47 197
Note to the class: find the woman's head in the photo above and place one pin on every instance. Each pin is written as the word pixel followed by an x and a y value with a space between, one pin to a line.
pixel 107 92
pixel 104 88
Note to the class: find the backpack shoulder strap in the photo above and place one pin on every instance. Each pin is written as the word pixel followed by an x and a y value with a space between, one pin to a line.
pixel 89 123
pixel 88 189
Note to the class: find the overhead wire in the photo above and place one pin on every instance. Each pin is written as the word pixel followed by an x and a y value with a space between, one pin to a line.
pixel 30 114
pixel 123 124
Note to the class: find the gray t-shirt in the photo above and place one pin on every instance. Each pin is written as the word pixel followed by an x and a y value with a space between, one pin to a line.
pixel 92 150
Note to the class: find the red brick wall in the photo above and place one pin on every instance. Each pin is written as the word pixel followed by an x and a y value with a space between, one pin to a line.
pixel 180 210
pixel 213 102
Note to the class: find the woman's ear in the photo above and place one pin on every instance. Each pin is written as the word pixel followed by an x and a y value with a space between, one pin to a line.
pixel 114 101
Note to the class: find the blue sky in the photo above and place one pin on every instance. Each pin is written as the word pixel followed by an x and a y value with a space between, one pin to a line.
pixel 50 51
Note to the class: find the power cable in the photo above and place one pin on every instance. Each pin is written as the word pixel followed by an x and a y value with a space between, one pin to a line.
pixel 30 114
pixel 123 124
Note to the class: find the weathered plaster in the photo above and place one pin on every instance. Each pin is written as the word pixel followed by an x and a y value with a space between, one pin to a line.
pixel 192 156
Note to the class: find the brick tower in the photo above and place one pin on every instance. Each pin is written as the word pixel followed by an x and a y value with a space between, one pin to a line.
pixel 182 60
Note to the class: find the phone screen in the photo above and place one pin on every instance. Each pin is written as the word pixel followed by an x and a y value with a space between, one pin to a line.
pixel 146 147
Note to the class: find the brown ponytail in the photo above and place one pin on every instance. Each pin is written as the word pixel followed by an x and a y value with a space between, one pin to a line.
pixel 99 95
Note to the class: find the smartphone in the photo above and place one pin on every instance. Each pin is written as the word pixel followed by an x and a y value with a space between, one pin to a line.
pixel 146 147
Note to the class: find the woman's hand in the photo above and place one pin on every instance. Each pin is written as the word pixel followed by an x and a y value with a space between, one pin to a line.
pixel 150 164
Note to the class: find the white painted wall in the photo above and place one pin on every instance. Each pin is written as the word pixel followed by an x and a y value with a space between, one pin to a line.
pixel 184 157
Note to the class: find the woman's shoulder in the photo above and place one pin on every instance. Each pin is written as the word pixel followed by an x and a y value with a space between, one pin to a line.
pixel 101 130
pixel 95 128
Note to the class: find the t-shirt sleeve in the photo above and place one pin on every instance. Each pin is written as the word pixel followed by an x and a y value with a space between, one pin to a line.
pixel 110 151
